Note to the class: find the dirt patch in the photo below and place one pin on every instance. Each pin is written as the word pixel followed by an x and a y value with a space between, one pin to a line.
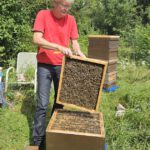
pixel 81 83
pixel 77 122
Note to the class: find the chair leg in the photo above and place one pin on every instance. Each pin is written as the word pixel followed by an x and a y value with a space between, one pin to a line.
pixel 35 81
pixel 6 86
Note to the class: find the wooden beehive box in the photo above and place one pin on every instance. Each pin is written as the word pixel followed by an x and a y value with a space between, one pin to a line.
pixel 80 87
pixel 74 130
pixel 103 47
pixel 81 83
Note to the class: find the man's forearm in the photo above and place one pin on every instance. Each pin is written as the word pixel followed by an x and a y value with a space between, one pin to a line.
pixel 75 46
pixel 46 44
pixel 41 42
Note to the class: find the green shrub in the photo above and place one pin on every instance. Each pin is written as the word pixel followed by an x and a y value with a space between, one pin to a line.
pixel 142 44
pixel 16 19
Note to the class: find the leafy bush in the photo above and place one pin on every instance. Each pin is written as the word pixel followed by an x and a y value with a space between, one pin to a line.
pixel 113 17
pixel 16 19
pixel 130 131
pixel 141 45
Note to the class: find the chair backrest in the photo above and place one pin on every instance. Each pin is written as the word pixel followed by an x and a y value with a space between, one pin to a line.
pixel 25 60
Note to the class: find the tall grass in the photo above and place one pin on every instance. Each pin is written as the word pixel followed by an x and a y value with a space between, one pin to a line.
pixel 129 132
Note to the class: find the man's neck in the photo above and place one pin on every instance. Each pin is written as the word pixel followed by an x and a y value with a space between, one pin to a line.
pixel 56 15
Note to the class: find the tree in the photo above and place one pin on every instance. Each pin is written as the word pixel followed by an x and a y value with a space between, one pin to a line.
pixel 16 27
pixel 143 9
pixel 115 16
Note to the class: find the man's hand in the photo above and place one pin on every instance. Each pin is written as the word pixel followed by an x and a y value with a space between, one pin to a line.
pixel 76 48
pixel 79 53
pixel 40 41
pixel 65 51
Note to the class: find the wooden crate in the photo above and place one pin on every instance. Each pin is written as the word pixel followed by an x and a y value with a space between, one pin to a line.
pixel 81 83
pixel 71 130
pixel 103 47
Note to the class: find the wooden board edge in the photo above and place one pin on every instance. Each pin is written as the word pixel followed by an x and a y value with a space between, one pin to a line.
pixel 102 125
pixel 101 87
pixel 111 37
pixel 32 148
pixel 97 61
pixel 77 108
pixel 51 122
pixel 60 81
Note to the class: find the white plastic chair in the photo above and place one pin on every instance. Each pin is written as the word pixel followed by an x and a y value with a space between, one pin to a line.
pixel 24 60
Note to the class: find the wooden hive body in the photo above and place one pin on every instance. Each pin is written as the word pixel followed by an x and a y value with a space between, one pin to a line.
pixel 78 131
pixel 82 129
pixel 105 47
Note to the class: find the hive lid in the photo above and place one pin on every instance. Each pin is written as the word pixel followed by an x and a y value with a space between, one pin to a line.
pixel 110 37
pixel 81 83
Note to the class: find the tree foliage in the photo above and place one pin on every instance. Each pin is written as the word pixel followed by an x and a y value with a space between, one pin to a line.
pixel 142 44
pixel 93 17
pixel 16 27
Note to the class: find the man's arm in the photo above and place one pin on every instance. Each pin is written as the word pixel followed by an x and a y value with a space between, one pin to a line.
pixel 76 48
pixel 40 41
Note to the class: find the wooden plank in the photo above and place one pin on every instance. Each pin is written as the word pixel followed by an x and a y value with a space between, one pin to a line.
pixel 111 68
pixel 32 148
pixel 110 37
pixel 97 61
pixel 103 54
pixel 59 141
pixel 99 49
pixel 52 121
pixel 79 108
pixel 103 44
pixel 101 87
pixel 111 76
pixel 113 55
pixel 113 44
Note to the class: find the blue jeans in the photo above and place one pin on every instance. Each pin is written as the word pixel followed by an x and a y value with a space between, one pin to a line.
pixel 45 75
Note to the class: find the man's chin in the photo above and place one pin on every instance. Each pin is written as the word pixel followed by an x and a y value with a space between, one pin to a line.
pixel 63 15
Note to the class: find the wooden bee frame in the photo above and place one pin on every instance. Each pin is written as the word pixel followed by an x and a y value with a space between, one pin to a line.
pixel 81 83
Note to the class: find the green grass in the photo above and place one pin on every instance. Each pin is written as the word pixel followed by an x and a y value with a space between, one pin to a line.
pixel 129 132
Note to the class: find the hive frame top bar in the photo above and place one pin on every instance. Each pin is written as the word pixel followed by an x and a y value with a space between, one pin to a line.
pixel 111 37
pixel 53 118
pixel 98 61
pixel 101 62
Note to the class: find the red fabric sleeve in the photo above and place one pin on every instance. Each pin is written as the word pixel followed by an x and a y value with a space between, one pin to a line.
pixel 74 30
pixel 39 22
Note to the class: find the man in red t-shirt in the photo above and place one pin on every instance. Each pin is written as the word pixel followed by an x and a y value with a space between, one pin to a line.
pixel 53 31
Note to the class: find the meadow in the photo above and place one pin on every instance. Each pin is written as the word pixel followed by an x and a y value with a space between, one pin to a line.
pixel 128 132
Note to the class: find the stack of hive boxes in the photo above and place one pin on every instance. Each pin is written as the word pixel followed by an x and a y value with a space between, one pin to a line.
pixel 79 125
pixel 105 47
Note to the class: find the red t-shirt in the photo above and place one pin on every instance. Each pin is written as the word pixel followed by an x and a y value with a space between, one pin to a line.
pixel 54 30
